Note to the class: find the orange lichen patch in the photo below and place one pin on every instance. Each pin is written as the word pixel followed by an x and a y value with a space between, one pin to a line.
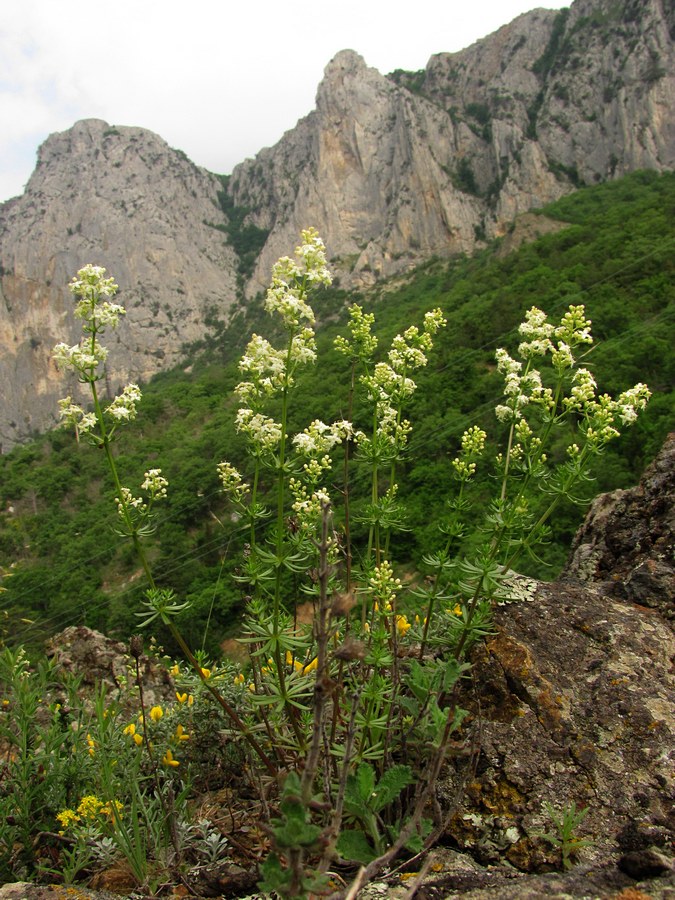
pixel 498 798
pixel 630 893
pixel 532 688
pixel 515 658
pixel 549 708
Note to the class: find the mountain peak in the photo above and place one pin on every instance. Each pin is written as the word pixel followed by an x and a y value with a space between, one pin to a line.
pixel 344 61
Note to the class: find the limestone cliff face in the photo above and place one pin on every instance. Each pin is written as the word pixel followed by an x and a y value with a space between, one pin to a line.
pixel 394 169
pixel 123 199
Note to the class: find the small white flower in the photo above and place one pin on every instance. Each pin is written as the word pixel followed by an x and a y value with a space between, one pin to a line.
pixel 155 484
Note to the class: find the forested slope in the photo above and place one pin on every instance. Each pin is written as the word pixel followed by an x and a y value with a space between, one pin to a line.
pixel 614 254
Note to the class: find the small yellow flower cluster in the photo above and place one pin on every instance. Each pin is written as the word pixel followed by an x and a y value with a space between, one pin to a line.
pixel 155 715
pixel 131 732
pixel 90 809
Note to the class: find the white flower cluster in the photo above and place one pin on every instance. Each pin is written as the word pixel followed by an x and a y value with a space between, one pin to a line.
pixel 632 401
pixel 135 511
pixel 315 444
pixel 473 440
pixel 123 407
pixel 265 366
pixel 83 358
pixel 538 331
pixel 601 415
pixel 318 439
pixel 155 484
pixel 308 504
pixel 384 585
pixel 263 433
pixel 290 278
pixel 72 414
pixel 582 391
pixel 363 343
pixel 97 314
pixel 232 482
pixel 574 327
pixel 128 503
pixel 519 390
pixel 473 445
pixel 390 385
pixel 92 287
pixel 266 369
pixel 312 254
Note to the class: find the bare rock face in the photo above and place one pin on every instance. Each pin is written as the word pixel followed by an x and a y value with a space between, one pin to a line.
pixel 394 169
pixel 123 199
pixel 626 546
pixel 574 702
pixel 359 169
pixel 99 660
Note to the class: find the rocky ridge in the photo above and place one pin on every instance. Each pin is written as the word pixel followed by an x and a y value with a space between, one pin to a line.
pixel 395 169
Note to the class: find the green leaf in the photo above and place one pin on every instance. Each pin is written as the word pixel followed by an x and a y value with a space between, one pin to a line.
pixel 353 846
pixel 391 784
pixel 365 781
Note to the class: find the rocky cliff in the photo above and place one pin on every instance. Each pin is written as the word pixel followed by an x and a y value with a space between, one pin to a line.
pixel 123 199
pixel 394 169
pixel 390 169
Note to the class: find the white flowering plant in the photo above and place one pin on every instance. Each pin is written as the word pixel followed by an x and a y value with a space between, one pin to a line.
pixel 353 711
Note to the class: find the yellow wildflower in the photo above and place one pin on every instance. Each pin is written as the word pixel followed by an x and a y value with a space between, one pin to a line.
pixel 182 698
pixel 305 670
pixel 206 673
pixel 130 730
pixel 68 817
pixel 175 670
pixel 181 734
pixel 89 807
pixel 112 809
pixel 168 759
pixel 156 713
pixel 138 739
pixel 239 679
pixel 402 625
pixel 91 743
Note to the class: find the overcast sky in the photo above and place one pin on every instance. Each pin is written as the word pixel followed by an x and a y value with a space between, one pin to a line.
pixel 218 79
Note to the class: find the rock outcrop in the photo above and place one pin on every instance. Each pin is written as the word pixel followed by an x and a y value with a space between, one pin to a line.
pixel 123 199
pixel 575 701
